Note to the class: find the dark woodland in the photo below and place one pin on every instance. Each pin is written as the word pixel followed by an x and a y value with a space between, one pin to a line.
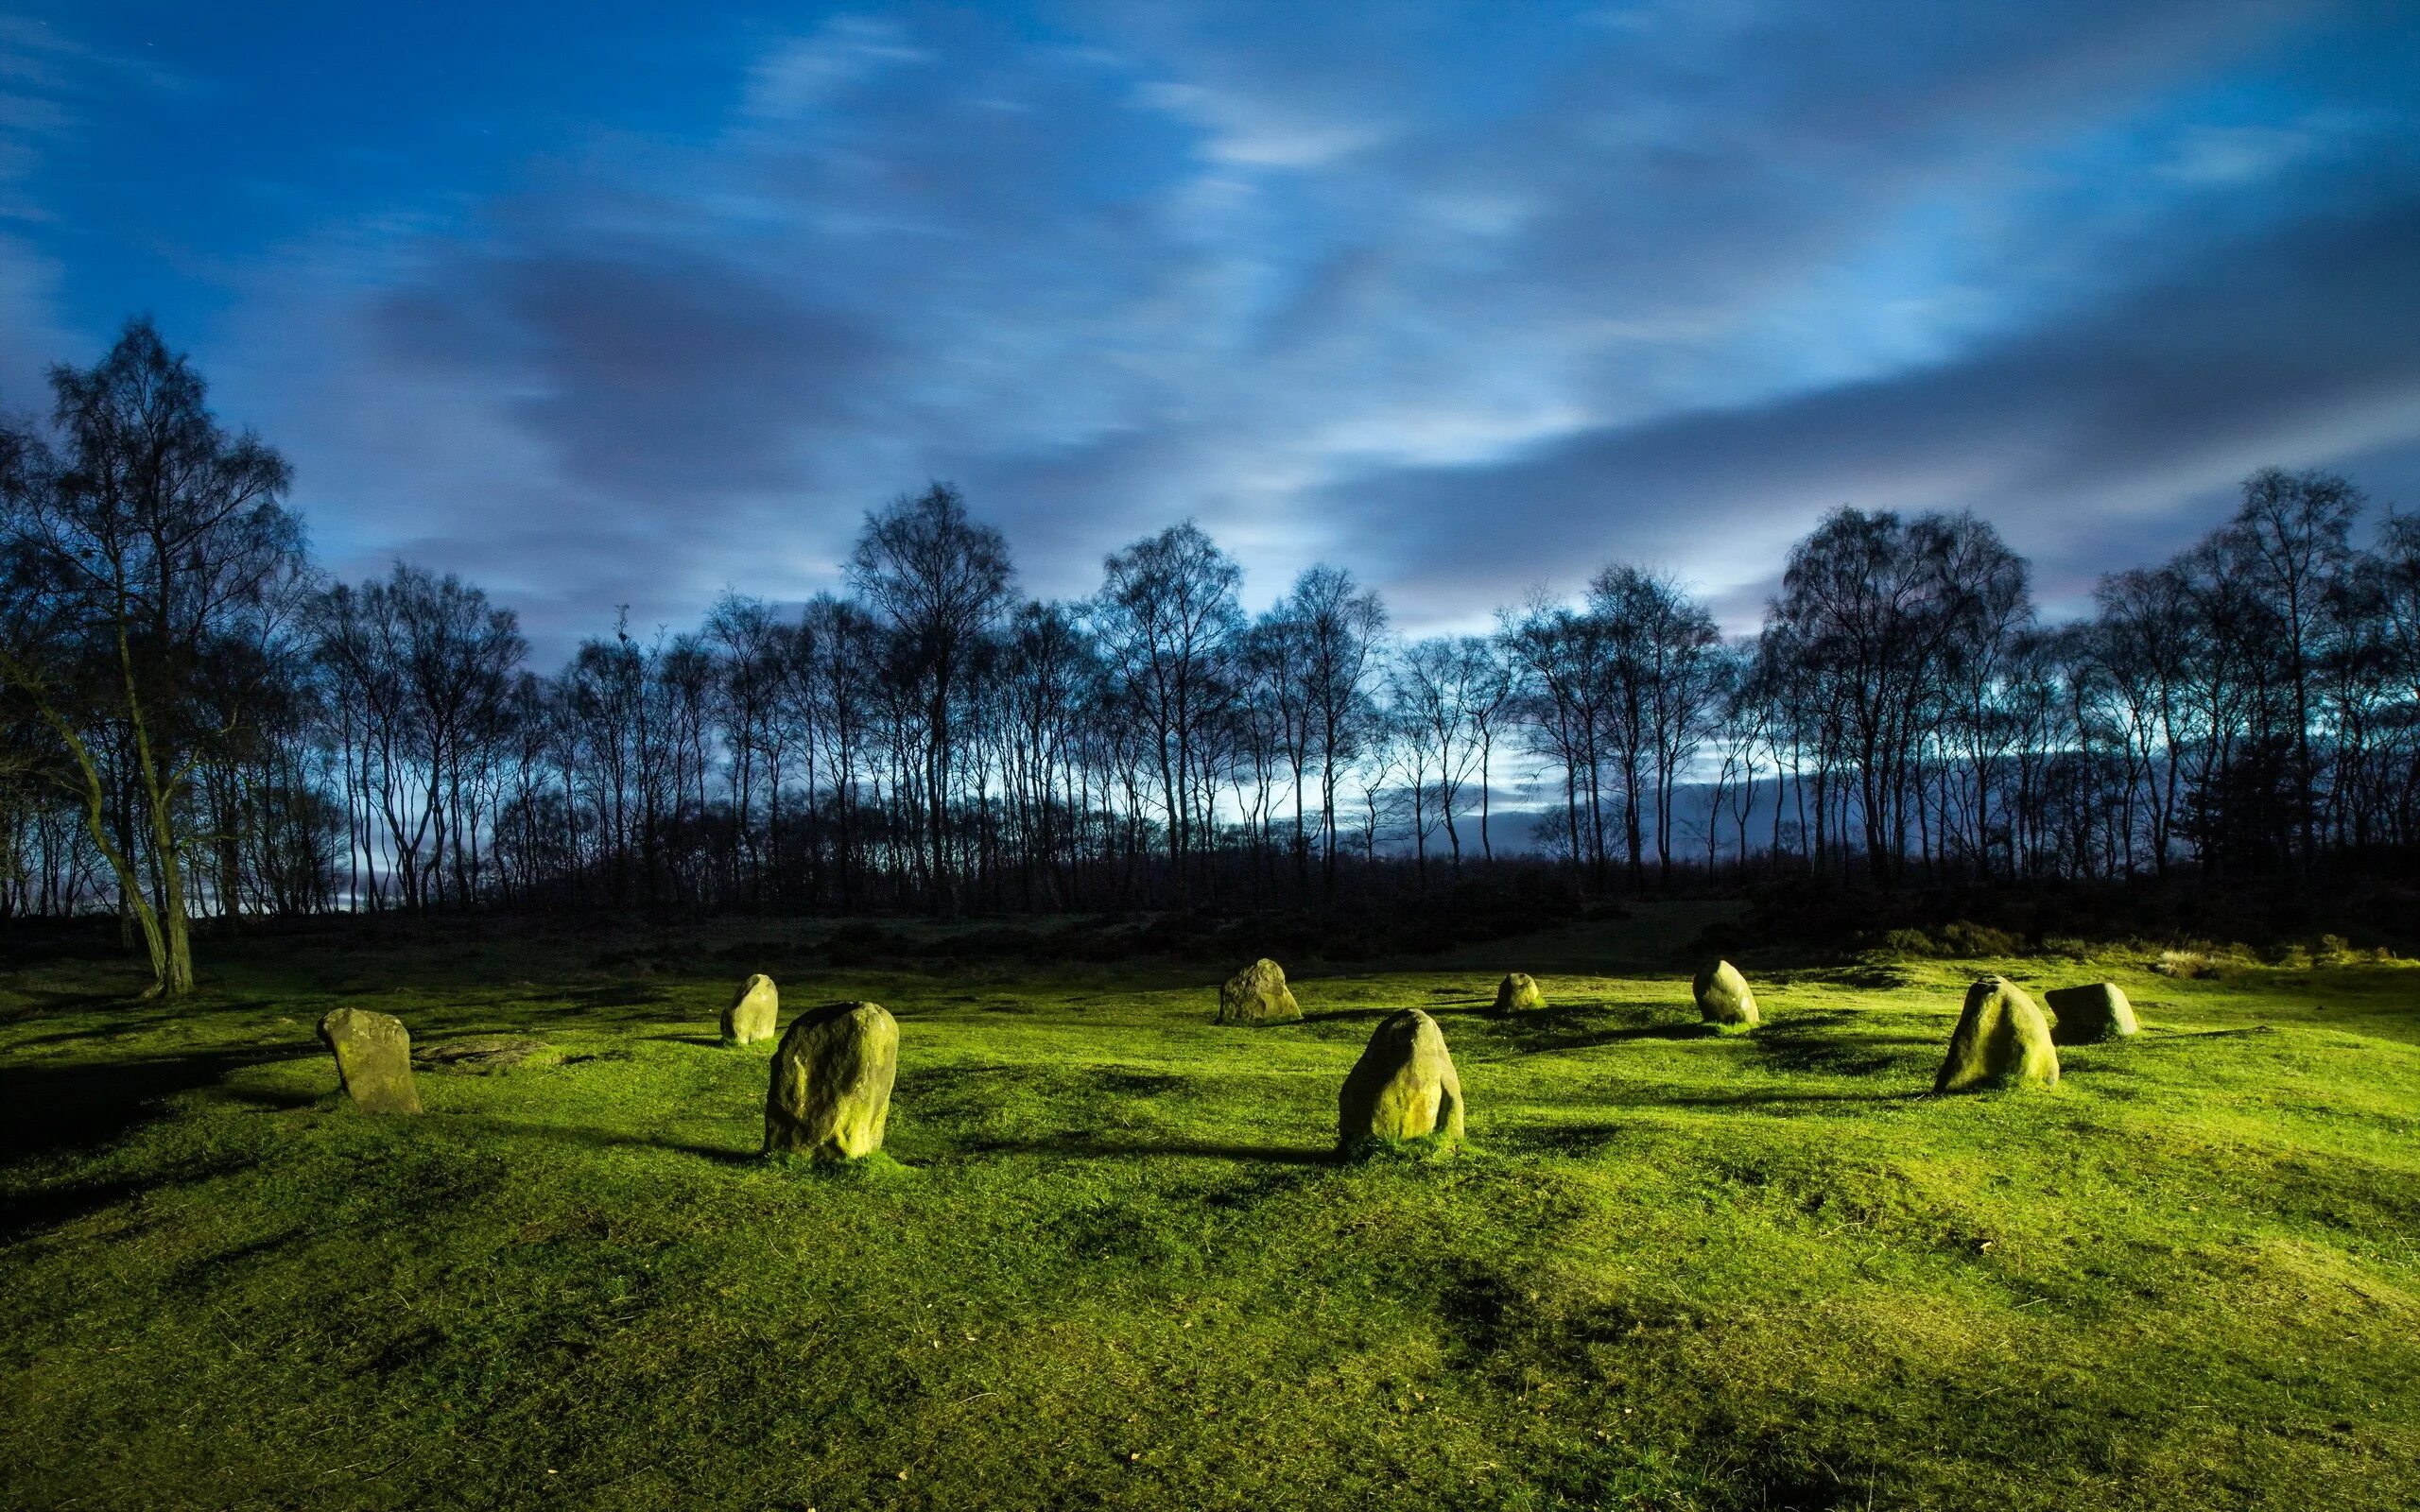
pixel 198 725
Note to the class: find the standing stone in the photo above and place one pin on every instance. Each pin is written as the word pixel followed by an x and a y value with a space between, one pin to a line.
pixel 1258 994
pixel 2001 1039
pixel 373 1059
pixel 1518 991
pixel 831 1076
pixel 752 1014
pixel 2089 1015
pixel 1723 998
pixel 1403 1087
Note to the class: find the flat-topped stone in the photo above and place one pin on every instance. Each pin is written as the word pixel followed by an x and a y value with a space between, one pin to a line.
pixel 478 1054
pixel 2090 1014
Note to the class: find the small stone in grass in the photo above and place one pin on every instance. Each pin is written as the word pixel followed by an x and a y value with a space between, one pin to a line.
pixel 2089 1015
pixel 1723 998
pixel 752 1014
pixel 1518 991
pixel 1258 994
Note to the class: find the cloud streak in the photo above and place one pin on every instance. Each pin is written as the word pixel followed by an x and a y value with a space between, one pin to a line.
pixel 1467 303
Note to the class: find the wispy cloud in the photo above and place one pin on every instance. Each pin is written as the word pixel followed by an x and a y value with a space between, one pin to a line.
pixel 1467 300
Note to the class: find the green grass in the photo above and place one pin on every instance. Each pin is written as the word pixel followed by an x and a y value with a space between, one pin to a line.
pixel 1116 1266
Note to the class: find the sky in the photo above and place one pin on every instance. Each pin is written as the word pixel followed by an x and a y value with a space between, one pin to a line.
pixel 626 305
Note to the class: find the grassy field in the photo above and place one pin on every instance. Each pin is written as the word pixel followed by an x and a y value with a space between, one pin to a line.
pixel 1120 1269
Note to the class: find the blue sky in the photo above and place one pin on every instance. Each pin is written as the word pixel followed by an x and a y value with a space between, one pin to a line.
pixel 631 308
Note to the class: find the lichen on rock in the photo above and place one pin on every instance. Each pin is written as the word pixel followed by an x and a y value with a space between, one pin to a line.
pixel 830 1098
pixel 1518 992
pixel 373 1055
pixel 754 1013
pixel 1723 999
pixel 1403 1088
pixel 1258 994
pixel 2003 1040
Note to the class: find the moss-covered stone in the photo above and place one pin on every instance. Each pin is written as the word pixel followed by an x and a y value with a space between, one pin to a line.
pixel 1723 998
pixel 373 1059
pixel 752 1014
pixel 1258 994
pixel 482 1055
pixel 2003 1040
pixel 1403 1088
pixel 2090 1014
pixel 831 1076
pixel 1518 991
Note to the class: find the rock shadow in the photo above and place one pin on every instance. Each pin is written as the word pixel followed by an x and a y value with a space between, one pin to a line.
pixel 1782 1099
pixel 1820 1040
pixel 38 1212
pixel 618 995
pixel 270 1101
pixel 45 1109
pixel 1099 1149
pixel 602 1139
pixel 1585 1026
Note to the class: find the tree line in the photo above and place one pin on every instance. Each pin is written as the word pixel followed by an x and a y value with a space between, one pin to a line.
pixel 196 723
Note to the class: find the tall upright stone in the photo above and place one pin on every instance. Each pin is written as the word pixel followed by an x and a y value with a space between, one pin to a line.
pixel 1403 1088
pixel 832 1078
pixel 2003 1040
pixel 754 1013
pixel 2090 1014
pixel 373 1055
pixel 1518 992
pixel 1258 994
pixel 1723 998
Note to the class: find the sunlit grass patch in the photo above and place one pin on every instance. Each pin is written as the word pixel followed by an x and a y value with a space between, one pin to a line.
pixel 1670 1270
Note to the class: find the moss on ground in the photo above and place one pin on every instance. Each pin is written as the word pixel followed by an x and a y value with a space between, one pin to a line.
pixel 1674 1270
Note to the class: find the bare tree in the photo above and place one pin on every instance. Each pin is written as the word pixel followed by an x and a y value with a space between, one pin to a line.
pixel 2292 539
pixel 149 544
pixel 938 582
pixel 1340 624
pixel 1169 622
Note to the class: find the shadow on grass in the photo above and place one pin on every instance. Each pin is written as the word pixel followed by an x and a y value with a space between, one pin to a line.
pixel 1559 1018
pixel 1352 1014
pixel 1527 1042
pixel 45 1109
pixel 47 1208
pixel 603 1139
pixel 267 1100
pixel 951 1091
pixel 1094 1149
pixel 619 995
pixel 1903 1094
pixel 1824 1041
pixel 1563 1139
pixel 127 1015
